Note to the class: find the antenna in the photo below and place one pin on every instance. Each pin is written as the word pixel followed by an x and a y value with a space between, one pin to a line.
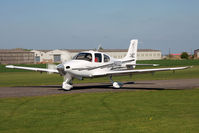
pixel 99 47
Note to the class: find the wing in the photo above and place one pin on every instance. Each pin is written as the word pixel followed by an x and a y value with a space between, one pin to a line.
pixel 112 72
pixel 33 69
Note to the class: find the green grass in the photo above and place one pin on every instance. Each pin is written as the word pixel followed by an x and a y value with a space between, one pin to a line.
pixel 29 79
pixel 165 111
pixel 160 111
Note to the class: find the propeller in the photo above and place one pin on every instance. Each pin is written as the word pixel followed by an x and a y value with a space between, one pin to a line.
pixel 59 67
pixel 51 66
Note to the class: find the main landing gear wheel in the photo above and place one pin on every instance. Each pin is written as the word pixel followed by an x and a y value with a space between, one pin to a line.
pixel 116 84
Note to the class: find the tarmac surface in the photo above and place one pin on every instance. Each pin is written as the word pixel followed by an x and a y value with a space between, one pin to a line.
pixel 23 91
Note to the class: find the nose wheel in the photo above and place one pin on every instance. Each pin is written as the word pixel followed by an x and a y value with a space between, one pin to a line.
pixel 116 84
pixel 67 84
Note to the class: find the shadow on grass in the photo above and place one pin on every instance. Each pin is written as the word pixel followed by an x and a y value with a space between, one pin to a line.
pixel 41 86
pixel 102 86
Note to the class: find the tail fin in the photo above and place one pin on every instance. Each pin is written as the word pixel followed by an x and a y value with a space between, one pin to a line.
pixel 132 51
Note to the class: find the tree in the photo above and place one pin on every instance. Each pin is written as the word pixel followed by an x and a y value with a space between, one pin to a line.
pixel 184 55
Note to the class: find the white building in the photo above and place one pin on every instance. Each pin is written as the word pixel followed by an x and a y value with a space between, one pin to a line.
pixel 53 56
pixel 149 54
pixel 57 56
pixel 196 53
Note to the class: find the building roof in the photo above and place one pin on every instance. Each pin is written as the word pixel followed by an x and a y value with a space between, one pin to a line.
pixel 14 50
pixel 113 50
pixel 175 54
pixel 45 51
pixel 79 50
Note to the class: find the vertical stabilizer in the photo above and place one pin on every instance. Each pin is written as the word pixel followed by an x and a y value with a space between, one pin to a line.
pixel 132 51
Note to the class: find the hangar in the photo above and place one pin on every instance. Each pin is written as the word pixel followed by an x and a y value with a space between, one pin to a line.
pixel 16 56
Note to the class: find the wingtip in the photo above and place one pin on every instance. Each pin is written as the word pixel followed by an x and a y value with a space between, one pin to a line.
pixel 156 65
pixel 188 67
pixel 9 66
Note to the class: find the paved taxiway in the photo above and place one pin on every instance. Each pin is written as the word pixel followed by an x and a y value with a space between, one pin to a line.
pixel 99 87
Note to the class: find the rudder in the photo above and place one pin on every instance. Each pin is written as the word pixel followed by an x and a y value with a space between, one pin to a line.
pixel 132 51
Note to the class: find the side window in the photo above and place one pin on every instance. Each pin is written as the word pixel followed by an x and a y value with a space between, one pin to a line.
pixel 106 58
pixel 98 57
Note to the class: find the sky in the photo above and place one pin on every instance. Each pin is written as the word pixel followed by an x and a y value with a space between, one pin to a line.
pixel 84 24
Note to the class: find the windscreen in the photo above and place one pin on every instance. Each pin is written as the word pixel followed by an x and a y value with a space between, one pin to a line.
pixel 83 56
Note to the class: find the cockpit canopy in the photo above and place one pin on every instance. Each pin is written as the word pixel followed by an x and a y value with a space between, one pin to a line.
pixel 83 56
pixel 92 57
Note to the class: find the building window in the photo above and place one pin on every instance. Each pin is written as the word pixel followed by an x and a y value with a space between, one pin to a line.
pixel 57 58
pixel 37 58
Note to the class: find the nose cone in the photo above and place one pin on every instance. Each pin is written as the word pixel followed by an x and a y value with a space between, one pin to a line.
pixel 60 67
pixel 61 70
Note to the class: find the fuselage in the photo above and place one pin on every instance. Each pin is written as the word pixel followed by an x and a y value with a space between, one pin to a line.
pixel 79 66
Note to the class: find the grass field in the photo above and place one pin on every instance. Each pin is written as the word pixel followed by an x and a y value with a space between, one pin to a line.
pixel 151 111
pixel 167 111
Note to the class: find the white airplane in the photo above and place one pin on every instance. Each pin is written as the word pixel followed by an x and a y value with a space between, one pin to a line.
pixel 89 64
